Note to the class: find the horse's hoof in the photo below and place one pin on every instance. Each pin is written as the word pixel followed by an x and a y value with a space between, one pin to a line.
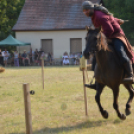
pixel 105 114
pixel 123 117
pixel 128 112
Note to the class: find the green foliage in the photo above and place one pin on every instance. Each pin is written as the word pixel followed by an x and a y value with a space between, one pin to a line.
pixel 9 13
pixel 123 9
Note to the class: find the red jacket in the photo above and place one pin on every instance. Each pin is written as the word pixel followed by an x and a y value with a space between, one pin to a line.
pixel 109 24
pixel 111 28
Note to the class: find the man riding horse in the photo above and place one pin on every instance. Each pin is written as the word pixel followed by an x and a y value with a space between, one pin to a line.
pixel 110 27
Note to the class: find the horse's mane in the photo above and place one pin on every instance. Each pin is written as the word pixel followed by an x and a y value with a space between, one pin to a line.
pixel 104 43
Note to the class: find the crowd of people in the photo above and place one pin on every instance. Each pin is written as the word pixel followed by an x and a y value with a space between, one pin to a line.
pixel 34 58
pixel 24 59
pixel 73 58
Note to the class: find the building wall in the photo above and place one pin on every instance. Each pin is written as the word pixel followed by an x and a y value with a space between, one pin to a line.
pixel 61 40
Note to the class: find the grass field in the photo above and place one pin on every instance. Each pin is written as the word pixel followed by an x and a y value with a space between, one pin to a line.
pixel 59 108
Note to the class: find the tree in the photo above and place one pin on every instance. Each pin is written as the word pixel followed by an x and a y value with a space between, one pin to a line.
pixel 9 13
pixel 3 18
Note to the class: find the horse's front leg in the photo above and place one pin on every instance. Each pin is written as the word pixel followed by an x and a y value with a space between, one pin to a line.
pixel 99 88
pixel 131 95
pixel 115 103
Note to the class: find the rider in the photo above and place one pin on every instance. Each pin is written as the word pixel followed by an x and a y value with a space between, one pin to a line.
pixel 110 26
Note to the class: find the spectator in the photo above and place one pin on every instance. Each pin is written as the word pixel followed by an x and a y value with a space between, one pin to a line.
pixel 36 56
pixel 52 56
pixel 42 56
pixel 1 58
pixel 31 55
pixel 45 58
pixel 65 59
pixel 72 58
pixel 40 53
pixel 16 59
pixel 49 58
pixel 11 59
pixel 5 57
pixel 25 58
pixel 76 59
pixel 81 55
pixel 20 59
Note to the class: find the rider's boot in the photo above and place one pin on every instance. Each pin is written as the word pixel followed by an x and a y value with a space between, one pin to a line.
pixel 92 86
pixel 129 70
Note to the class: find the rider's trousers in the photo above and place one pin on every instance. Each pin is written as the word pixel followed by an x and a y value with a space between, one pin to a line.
pixel 119 47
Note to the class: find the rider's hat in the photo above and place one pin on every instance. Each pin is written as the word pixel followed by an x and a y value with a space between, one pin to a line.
pixel 87 5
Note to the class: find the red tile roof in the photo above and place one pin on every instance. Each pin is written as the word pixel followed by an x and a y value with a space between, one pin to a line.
pixel 52 15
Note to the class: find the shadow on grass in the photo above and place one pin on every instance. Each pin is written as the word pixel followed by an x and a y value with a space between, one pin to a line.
pixel 56 130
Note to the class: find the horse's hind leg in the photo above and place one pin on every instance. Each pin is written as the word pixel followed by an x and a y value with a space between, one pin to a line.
pixel 99 88
pixel 131 95
pixel 115 104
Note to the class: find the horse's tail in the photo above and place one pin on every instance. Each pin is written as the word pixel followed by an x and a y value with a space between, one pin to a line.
pixel 2 69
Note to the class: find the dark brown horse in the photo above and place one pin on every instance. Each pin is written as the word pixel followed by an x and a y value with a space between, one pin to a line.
pixel 107 71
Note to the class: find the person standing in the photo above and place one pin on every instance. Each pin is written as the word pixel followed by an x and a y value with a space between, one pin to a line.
pixel 5 57
pixel 16 59
pixel 31 56
pixel 49 58
pixel 1 58
pixel 36 56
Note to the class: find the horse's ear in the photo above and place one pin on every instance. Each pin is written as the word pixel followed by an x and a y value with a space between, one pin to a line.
pixel 92 27
pixel 87 28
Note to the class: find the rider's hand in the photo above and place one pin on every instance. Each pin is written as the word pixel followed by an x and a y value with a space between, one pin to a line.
pixel 121 21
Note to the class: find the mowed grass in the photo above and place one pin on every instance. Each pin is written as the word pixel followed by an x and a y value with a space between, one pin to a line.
pixel 59 108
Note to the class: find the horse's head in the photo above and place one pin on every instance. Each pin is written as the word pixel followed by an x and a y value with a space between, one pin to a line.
pixel 95 41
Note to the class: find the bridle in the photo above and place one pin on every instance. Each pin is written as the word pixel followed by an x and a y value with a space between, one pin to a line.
pixel 99 42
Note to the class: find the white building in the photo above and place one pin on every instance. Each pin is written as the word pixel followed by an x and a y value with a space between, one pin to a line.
pixel 54 25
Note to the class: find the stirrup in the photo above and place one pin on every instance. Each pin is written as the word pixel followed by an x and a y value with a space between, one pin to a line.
pixel 129 80
pixel 92 80
pixel 92 86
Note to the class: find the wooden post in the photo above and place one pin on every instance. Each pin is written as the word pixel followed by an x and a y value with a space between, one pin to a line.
pixel 85 93
pixel 87 75
pixel 42 63
pixel 27 103
pixel 83 67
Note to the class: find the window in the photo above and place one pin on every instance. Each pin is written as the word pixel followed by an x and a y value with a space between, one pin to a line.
pixel 47 45
pixel 75 45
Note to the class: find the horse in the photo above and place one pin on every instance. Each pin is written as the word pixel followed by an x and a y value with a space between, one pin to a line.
pixel 107 71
